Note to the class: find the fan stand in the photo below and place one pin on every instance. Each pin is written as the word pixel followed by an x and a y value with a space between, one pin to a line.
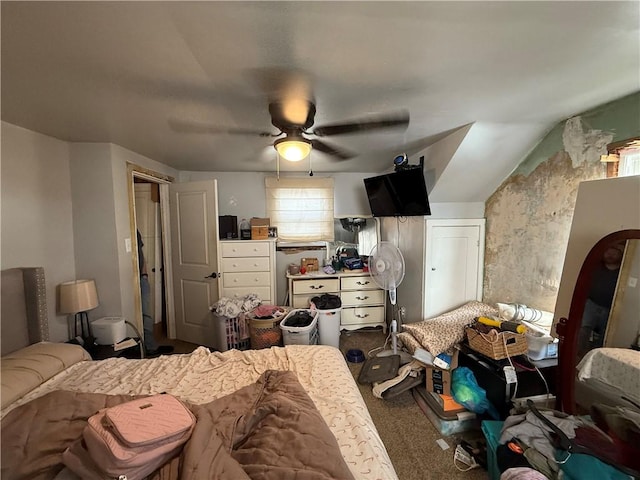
pixel 404 356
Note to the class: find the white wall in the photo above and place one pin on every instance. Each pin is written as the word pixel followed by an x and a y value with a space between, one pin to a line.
pixel 243 193
pixel 37 225
pixel 65 207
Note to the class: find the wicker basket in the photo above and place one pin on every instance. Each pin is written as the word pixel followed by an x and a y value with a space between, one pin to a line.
pixel 265 333
pixel 494 347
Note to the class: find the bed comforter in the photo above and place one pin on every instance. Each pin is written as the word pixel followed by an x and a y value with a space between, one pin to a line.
pixel 270 429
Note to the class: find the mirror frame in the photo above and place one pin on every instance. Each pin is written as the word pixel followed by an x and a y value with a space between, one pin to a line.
pixel 567 329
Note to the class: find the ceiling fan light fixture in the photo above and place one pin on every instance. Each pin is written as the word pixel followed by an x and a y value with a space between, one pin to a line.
pixel 293 148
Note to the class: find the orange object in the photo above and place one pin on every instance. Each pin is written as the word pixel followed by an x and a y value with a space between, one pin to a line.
pixel 449 404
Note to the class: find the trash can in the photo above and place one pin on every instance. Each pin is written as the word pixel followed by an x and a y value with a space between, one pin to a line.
pixel 328 307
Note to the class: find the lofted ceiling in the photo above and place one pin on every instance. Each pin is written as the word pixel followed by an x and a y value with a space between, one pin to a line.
pixel 133 73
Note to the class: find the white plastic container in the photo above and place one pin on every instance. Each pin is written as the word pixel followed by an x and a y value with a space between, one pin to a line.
pixel 300 335
pixel 541 346
pixel 329 327
pixel 109 330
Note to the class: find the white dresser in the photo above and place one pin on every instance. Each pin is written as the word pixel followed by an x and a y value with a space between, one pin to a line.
pixel 248 266
pixel 363 302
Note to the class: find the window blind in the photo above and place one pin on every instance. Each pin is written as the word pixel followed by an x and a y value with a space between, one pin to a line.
pixel 301 208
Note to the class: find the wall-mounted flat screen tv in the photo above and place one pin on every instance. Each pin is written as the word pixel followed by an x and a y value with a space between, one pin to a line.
pixel 402 193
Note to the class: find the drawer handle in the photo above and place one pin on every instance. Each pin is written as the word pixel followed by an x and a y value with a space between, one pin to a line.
pixel 235 265
pixel 362 298
pixel 362 283
pixel 362 316
pixel 314 287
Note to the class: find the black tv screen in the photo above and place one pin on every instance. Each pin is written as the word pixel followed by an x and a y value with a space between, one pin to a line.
pixel 399 194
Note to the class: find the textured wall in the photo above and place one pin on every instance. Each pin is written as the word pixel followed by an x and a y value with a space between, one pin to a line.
pixel 529 215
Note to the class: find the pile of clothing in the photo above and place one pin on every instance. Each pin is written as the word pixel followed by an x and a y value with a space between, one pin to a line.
pixel 605 445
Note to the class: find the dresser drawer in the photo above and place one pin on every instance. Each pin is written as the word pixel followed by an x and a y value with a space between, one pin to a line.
pixel 264 293
pixel 362 315
pixel 248 249
pixel 362 297
pixel 246 279
pixel 245 264
pixel 316 286
pixel 357 283
pixel 301 301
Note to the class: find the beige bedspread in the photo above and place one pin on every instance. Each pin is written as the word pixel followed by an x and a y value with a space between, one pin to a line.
pixel 618 367
pixel 201 377
pixel 269 430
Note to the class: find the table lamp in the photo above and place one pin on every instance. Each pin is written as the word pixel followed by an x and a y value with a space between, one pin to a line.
pixel 77 297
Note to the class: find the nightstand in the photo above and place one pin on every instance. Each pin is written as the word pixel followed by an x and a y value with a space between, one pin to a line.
pixel 102 352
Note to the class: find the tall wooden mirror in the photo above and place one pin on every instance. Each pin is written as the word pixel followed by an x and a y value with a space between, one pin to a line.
pixel 604 311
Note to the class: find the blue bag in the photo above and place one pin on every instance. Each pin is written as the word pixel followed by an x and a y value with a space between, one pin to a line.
pixel 469 394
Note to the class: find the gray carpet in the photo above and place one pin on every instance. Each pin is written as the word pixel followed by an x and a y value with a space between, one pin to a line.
pixel 406 431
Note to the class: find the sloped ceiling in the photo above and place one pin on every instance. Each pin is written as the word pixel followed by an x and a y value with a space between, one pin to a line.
pixel 503 72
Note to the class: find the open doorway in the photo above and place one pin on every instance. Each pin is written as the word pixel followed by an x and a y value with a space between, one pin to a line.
pixel 148 225
pixel 149 215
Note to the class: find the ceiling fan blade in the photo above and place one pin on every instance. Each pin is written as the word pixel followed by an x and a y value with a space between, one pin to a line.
pixel 392 120
pixel 330 150
pixel 195 127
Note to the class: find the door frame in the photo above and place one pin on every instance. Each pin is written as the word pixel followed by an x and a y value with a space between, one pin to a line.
pixel 163 181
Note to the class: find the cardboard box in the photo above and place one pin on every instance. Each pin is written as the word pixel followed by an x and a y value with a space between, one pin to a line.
pixel 259 233
pixel 260 222
pixel 438 379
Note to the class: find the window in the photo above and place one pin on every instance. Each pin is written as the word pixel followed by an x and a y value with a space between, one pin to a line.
pixel 301 208
pixel 629 162
pixel 623 158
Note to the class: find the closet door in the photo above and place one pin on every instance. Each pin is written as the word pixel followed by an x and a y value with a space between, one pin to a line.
pixel 453 264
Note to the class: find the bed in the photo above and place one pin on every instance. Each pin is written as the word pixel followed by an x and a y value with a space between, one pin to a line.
pixel 34 370
pixel 609 376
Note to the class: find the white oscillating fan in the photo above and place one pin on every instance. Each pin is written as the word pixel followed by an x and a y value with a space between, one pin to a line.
pixel 386 267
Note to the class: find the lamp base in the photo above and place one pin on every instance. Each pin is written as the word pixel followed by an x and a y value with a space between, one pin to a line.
pixel 85 339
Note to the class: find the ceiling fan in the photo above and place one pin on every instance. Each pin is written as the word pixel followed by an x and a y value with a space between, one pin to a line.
pixel 294 118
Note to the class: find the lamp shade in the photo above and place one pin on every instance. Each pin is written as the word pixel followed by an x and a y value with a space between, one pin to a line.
pixel 78 296
pixel 293 148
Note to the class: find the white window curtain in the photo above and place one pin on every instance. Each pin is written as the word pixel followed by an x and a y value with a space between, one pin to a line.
pixel 629 162
pixel 301 208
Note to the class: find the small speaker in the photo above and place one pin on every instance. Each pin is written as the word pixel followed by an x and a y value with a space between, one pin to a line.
pixel 228 227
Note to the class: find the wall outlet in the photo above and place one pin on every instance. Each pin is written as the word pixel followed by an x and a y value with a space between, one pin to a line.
pixel 633 281
pixel 127 245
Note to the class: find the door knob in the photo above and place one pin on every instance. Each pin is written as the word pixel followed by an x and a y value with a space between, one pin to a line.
pixel 213 275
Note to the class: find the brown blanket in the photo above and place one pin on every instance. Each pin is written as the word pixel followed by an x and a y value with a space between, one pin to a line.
pixel 267 430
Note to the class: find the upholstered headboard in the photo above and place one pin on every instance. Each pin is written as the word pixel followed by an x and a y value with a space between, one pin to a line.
pixel 24 308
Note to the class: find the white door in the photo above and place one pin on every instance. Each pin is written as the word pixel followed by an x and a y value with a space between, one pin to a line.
pixel 454 264
pixel 194 243
pixel 148 223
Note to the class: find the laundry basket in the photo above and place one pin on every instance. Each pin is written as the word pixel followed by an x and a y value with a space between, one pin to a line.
pixel 266 332
pixel 300 335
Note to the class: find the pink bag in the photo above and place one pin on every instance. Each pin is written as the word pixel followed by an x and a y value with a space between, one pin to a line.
pixel 137 437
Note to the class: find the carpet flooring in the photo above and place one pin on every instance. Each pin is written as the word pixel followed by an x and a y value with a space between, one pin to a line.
pixel 406 431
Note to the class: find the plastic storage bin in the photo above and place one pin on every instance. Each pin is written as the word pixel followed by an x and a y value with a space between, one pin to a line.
pixel 300 335
pixel 541 346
